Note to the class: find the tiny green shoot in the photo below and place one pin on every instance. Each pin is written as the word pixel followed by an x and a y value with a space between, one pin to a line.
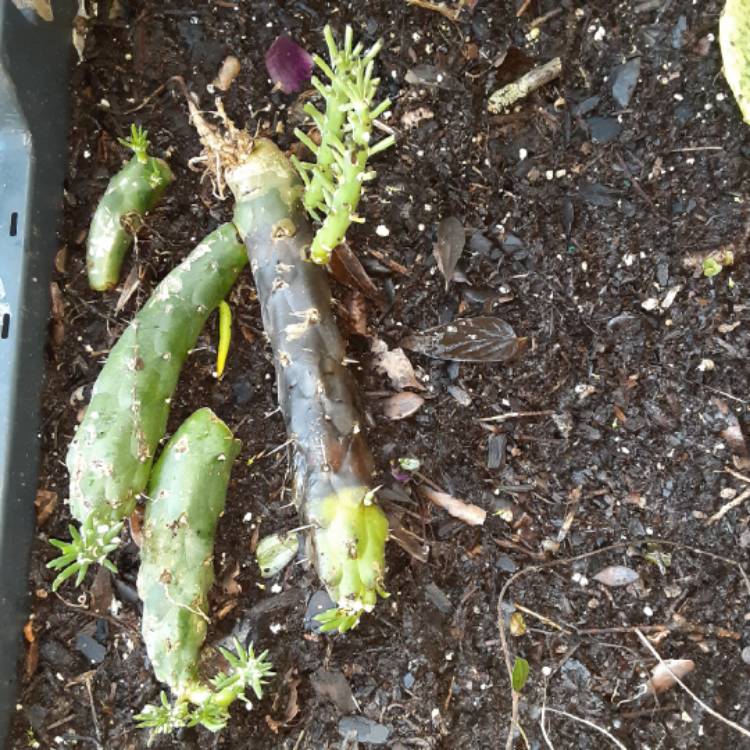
pixel 138 143
pixel 520 674
pixel 711 267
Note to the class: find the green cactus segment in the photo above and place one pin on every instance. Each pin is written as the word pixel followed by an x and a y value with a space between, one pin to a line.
pixel 187 491
pixel 131 193
pixel 317 394
pixel 734 38
pixel 186 495
pixel 110 457
pixel 333 183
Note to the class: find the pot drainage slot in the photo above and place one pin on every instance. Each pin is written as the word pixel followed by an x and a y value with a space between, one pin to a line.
pixel 13 232
pixel 5 326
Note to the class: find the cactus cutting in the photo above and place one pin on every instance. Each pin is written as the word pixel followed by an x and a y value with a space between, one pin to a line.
pixel 332 463
pixel 333 182
pixel 110 457
pixel 187 493
pixel 317 394
pixel 131 193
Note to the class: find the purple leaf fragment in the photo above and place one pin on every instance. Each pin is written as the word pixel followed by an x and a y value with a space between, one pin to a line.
pixel 482 339
pixel 289 65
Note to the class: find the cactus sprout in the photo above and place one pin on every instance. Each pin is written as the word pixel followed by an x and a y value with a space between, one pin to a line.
pixel 333 183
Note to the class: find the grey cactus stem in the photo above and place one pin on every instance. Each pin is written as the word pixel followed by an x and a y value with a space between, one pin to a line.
pixel 317 394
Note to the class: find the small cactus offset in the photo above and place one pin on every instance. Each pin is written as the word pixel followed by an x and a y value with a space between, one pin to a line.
pixel 110 458
pixel 131 193
pixel 333 183
pixel 187 491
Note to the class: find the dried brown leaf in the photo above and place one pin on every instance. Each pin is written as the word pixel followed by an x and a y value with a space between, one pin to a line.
pixel 661 677
pixel 45 504
pixel 132 282
pixel 228 581
pixel 61 259
pixel 616 575
pixel 451 240
pixel 482 339
pixel 396 365
pixel 406 539
pixel 135 522
pixel 470 514
pixel 346 268
pixel 57 301
pixel 31 661
pixel 402 405
pixel 356 309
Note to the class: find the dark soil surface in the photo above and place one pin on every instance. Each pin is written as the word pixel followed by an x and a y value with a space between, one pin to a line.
pixel 581 215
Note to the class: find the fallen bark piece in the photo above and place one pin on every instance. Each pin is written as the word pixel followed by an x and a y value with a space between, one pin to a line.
pixel 534 79
pixel 470 514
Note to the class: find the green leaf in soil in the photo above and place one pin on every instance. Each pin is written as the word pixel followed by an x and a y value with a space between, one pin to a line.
pixel 520 674
pixel 734 38
pixel 482 339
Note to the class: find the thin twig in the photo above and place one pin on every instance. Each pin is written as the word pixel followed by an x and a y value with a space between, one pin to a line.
pixel 450 13
pixel 696 148
pixel 158 90
pixel 703 705
pixel 524 7
pixel 578 719
pixel 93 711
pixel 729 506
pixel 531 81
pixel 539 617
pixel 515 698
pixel 737 475
pixel 540 20
pixel 516 415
